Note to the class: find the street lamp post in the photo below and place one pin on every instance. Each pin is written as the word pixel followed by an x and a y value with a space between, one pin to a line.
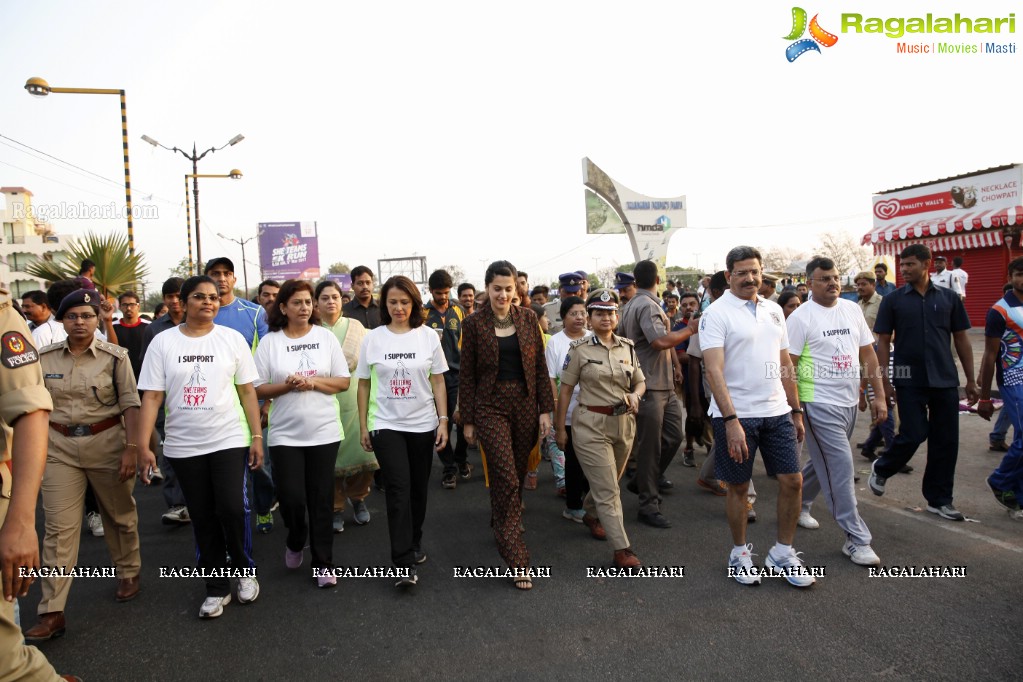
pixel 235 174
pixel 245 269
pixel 195 158
pixel 40 88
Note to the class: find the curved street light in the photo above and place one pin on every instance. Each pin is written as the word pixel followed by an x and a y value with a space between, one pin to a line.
pixel 195 157
pixel 38 87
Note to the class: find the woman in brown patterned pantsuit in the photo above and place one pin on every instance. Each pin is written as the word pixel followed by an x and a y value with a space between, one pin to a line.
pixel 504 401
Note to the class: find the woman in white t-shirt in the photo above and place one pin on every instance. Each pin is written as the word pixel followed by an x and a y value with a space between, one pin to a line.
pixel 403 414
pixel 573 314
pixel 204 373
pixel 301 367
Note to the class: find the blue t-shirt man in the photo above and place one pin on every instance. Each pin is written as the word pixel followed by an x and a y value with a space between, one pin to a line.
pixel 245 317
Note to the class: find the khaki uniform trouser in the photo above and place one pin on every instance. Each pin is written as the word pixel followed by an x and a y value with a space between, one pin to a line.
pixel 71 464
pixel 17 661
pixel 602 444
pixel 354 487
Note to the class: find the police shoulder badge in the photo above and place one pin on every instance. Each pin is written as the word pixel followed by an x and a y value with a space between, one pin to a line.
pixel 16 350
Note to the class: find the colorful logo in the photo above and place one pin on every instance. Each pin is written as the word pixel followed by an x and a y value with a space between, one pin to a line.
pixel 817 35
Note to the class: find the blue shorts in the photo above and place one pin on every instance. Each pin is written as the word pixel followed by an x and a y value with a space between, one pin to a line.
pixel 774 436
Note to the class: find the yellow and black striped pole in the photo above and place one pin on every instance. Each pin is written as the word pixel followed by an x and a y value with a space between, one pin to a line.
pixel 40 88
pixel 235 174
pixel 127 177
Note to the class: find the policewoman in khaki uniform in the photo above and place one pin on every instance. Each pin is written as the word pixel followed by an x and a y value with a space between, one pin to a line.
pixel 611 385
pixel 24 410
pixel 93 388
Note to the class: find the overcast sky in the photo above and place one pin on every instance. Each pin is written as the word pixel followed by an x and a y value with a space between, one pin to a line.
pixel 455 130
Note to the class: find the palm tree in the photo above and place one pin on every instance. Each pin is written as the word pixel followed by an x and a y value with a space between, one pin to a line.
pixel 116 270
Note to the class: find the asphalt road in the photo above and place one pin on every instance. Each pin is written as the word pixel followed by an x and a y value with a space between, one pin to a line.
pixel 702 626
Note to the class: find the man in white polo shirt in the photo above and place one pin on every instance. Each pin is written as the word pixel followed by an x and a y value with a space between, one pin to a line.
pixel 829 341
pixel 753 406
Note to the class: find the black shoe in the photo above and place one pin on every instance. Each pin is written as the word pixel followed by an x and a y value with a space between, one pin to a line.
pixel 906 470
pixel 420 557
pixel 410 581
pixel 862 446
pixel 869 453
pixel 632 487
pixel 465 471
pixel 664 484
pixel 449 481
pixel 655 519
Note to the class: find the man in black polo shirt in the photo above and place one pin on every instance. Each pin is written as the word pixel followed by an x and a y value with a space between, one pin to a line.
pixel 363 308
pixel 925 320
pixel 444 316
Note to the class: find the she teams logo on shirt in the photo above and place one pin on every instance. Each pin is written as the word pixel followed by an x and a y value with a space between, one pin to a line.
pixel 195 390
pixel 401 383
pixel 306 366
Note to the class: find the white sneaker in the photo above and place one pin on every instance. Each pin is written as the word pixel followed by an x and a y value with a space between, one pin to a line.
pixel 95 524
pixel 176 515
pixel 861 554
pixel 248 590
pixel 807 521
pixel 213 607
pixel 574 514
pixel 740 566
pixel 790 567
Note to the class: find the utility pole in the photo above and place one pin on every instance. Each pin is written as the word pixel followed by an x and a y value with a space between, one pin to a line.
pixel 245 268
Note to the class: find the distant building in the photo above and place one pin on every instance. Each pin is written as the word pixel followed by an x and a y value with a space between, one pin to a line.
pixel 24 240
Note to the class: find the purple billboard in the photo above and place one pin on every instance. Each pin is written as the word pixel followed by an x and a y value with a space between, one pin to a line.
pixel 289 251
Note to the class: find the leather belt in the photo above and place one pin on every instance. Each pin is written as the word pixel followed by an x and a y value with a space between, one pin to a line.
pixel 611 411
pixel 79 430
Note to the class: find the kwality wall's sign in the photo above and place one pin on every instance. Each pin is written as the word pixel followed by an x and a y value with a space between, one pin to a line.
pixel 950 199
pixel 289 251
pixel 613 208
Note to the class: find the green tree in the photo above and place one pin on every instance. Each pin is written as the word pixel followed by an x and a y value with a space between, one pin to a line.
pixel 339 269
pixel 116 270
pixel 153 299
pixel 182 270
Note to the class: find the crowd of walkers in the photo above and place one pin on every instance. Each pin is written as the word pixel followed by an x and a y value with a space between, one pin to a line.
pixel 309 397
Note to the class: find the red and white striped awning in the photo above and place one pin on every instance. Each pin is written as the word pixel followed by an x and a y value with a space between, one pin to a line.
pixel 945 225
pixel 946 244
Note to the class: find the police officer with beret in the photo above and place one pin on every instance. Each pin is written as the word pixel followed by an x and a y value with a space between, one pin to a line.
pixel 92 440
pixel 611 385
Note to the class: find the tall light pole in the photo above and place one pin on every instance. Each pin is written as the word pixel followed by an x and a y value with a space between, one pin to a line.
pixel 195 157
pixel 245 269
pixel 235 174
pixel 40 88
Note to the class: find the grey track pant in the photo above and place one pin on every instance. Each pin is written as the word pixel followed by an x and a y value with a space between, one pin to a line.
pixel 830 467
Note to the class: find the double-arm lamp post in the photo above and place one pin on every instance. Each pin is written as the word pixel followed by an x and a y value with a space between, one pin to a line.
pixel 195 157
